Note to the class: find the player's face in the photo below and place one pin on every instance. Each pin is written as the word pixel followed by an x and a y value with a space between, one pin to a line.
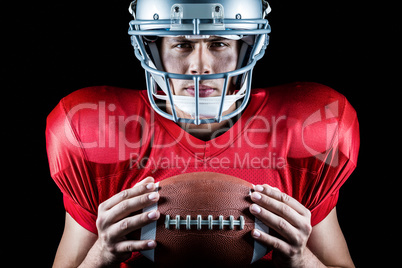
pixel 199 56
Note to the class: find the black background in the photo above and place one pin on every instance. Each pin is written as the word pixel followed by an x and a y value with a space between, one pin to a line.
pixel 54 48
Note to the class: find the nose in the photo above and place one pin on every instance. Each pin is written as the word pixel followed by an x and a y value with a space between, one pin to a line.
pixel 200 60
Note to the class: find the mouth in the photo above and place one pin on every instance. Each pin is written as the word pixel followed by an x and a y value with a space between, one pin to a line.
pixel 204 91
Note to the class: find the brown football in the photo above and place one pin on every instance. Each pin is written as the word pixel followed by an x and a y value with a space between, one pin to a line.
pixel 205 219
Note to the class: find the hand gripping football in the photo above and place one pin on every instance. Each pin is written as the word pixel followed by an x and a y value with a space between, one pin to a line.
pixel 205 219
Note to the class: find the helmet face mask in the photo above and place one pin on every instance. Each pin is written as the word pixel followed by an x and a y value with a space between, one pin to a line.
pixel 234 19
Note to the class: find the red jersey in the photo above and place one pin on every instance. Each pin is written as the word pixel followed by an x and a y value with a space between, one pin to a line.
pixel 302 138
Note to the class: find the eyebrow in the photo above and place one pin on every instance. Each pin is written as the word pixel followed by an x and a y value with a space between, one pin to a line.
pixel 211 39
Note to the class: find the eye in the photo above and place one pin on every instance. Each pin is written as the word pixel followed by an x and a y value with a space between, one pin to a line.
pixel 218 45
pixel 183 46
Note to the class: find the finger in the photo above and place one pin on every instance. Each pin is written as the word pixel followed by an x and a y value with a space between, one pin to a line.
pixel 128 206
pixel 146 180
pixel 281 209
pixel 271 241
pixel 131 246
pixel 130 224
pixel 282 197
pixel 145 186
pixel 279 224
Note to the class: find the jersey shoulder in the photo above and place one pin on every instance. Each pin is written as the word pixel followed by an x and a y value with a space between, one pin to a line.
pixel 87 108
pixel 91 120
pixel 89 105
pixel 304 100
pixel 317 118
pixel 305 96
pixel 122 97
pixel 317 131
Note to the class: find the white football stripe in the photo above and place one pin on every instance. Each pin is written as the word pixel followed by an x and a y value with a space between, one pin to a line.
pixel 259 249
pixel 148 232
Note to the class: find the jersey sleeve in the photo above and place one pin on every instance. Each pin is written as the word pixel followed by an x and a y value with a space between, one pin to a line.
pixel 69 168
pixel 338 130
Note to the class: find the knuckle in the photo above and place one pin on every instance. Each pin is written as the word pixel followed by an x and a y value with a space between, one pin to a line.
pixel 123 206
pixel 285 209
pixel 308 228
pixel 100 221
pixel 293 252
pixel 284 198
pixel 308 213
pixel 275 189
pixel 266 200
pixel 105 237
pixel 299 239
pixel 130 248
pixel 282 225
pixel 124 224
pixel 276 244
pixel 101 207
pixel 124 194
pixel 266 186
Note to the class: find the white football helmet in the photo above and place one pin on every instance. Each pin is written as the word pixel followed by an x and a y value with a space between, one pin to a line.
pixel 232 19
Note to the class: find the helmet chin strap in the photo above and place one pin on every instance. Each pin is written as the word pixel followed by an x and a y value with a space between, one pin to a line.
pixel 208 107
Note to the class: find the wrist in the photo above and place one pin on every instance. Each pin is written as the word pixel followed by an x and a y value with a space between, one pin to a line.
pixel 309 260
pixel 97 258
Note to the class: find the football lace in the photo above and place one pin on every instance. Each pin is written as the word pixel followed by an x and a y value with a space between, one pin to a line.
pixel 199 222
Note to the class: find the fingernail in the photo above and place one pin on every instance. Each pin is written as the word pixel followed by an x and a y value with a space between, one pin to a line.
pixel 150 186
pixel 151 244
pixel 152 215
pixel 256 196
pixel 153 196
pixel 255 208
pixel 259 188
pixel 256 233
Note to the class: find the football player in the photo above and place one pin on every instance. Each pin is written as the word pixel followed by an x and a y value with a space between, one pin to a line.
pixel 107 146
